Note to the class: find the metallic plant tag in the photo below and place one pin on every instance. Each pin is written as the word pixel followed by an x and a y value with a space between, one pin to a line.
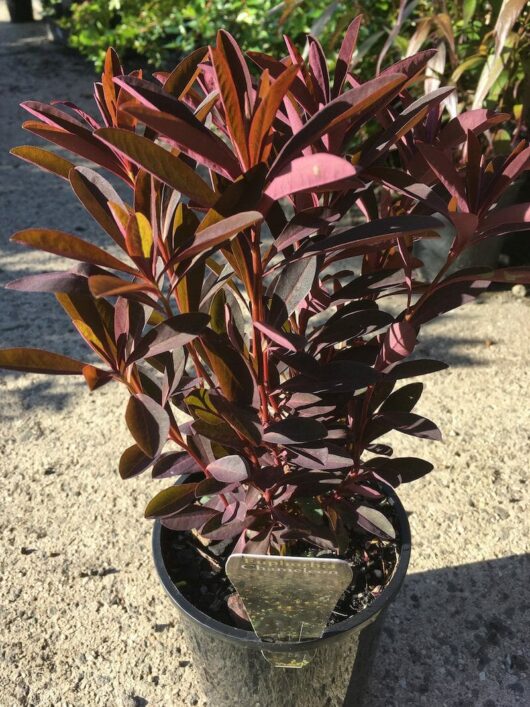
pixel 288 598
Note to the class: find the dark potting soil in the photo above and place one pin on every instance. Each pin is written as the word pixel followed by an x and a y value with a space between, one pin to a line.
pixel 198 572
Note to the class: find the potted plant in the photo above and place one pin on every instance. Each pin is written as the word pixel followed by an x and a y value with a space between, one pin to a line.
pixel 272 216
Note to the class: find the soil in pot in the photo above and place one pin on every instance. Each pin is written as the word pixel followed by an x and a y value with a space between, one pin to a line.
pixel 198 571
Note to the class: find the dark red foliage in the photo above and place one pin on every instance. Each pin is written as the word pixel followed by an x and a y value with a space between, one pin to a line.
pixel 260 370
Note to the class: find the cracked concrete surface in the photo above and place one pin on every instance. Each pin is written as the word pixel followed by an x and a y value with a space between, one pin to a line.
pixel 83 619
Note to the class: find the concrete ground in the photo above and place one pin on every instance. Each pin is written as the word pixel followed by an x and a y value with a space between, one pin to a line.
pixel 83 619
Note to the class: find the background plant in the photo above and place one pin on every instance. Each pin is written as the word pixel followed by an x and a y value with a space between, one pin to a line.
pixel 243 312
pixel 484 48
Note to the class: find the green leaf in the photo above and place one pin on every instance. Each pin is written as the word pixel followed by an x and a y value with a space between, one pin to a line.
pixel 468 10
pixel 39 361
pixel 170 501
pixel 68 246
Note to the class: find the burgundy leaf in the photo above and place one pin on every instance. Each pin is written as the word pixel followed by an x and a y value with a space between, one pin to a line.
pixel 293 284
pixel 39 361
pixel 409 423
pixel 133 461
pixel 399 469
pixel 174 464
pixel 345 55
pixel 294 429
pixel 404 399
pixel 148 423
pixel 171 334
pixel 220 232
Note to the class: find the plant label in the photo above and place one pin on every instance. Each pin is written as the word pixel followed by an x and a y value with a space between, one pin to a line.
pixel 288 599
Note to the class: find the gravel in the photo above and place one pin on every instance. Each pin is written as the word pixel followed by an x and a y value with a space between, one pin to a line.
pixel 84 620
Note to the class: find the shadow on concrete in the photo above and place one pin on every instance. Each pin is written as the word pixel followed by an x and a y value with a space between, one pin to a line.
pixel 456 637
pixel 456 351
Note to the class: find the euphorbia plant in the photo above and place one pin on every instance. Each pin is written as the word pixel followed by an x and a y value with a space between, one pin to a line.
pixel 262 237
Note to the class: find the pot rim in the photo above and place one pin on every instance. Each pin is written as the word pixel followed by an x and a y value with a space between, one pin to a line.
pixel 248 639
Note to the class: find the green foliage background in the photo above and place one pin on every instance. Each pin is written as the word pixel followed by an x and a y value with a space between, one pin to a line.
pixel 160 32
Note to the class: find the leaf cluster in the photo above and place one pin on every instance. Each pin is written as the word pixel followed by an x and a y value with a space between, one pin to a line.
pixel 245 307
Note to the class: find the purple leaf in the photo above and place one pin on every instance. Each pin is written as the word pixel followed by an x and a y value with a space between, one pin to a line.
pixel 444 298
pixel 288 341
pixel 478 121
pixel 95 193
pixel 353 325
pixel 68 282
pixel 446 173
pixel 229 469
pixel 399 342
pixel 174 464
pixel 193 517
pixel 318 172
pixel 345 55
pixel 347 106
pixel 378 231
pixel 321 456
pixel 192 138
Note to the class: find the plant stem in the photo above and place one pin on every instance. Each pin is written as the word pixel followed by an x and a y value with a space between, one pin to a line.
pixel 259 352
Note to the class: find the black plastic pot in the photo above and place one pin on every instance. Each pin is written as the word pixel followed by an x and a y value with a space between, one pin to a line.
pixel 20 10
pixel 233 671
